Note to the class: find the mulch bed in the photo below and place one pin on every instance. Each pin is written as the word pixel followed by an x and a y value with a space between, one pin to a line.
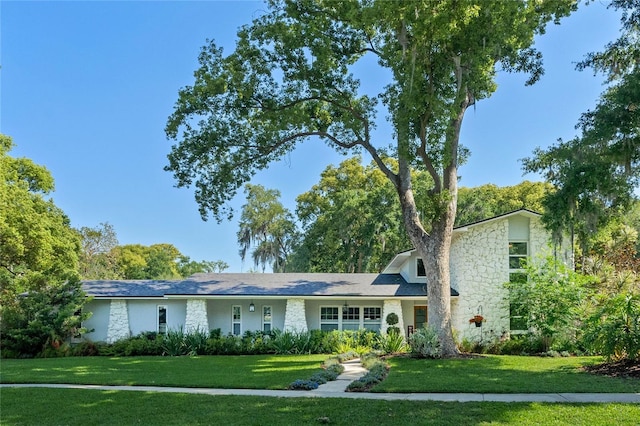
pixel 624 368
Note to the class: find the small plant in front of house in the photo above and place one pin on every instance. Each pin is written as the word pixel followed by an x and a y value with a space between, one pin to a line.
pixel 392 320
pixel 393 343
pixel 331 370
pixel 425 343
pixel 477 319
pixel 303 385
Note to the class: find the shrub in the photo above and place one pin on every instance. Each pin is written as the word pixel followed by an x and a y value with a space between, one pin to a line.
pixel 424 343
pixel 195 342
pixel 283 342
pixel 614 329
pixel 378 370
pixel 303 385
pixel 173 343
pixel 392 319
pixel 392 343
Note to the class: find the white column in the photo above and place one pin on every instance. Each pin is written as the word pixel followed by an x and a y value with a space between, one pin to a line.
pixel 118 321
pixel 196 319
pixel 295 317
pixel 392 306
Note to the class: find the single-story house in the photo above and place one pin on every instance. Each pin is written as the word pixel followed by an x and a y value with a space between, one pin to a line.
pixel 484 255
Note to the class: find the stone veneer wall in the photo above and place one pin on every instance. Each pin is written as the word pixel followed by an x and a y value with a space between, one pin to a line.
pixel 196 317
pixel 392 306
pixel 295 316
pixel 118 321
pixel 479 268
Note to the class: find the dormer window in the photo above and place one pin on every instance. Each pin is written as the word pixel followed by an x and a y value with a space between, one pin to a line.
pixel 420 271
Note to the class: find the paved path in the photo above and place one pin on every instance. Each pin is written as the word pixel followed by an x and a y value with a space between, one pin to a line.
pixel 353 370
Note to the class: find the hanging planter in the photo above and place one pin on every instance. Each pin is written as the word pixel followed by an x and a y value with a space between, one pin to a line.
pixel 477 320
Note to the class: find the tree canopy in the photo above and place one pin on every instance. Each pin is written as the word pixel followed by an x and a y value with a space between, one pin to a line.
pixel 596 173
pixel 37 243
pixel 294 76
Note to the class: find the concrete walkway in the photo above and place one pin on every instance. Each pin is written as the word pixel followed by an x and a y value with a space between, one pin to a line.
pixel 353 370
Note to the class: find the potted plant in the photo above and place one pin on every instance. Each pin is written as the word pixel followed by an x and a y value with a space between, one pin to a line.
pixel 477 320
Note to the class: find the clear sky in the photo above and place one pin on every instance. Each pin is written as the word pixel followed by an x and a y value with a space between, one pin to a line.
pixel 86 89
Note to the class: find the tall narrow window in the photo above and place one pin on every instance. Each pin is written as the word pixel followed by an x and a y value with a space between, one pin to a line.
pixel 420 271
pixel 266 319
pixel 517 254
pixel 236 320
pixel 162 319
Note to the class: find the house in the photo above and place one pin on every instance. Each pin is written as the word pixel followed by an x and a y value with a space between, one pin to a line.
pixel 484 255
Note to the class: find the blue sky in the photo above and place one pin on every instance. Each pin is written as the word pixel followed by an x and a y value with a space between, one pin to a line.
pixel 86 89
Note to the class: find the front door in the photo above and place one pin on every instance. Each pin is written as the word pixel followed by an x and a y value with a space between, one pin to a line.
pixel 419 316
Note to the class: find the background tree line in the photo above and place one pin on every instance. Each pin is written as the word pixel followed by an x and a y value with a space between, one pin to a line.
pixel 351 221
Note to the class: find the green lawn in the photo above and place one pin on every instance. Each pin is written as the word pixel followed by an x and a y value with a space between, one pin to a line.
pixel 234 372
pixel 500 374
pixel 87 407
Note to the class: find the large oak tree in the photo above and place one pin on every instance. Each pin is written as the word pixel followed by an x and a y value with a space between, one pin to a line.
pixel 294 76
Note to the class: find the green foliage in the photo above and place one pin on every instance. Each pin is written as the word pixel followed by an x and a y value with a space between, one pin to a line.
pixel 43 319
pixel 97 259
pixel 550 298
pixel 424 343
pixel 293 76
pixel 267 228
pixel 351 219
pixel 613 330
pixel 38 247
pixel 393 343
pixel 485 201
pixel 596 173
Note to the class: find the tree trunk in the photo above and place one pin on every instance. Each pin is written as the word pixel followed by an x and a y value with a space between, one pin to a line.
pixel 434 249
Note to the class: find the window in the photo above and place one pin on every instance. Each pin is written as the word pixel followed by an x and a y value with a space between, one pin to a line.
pixel 517 310
pixel 162 319
pixel 517 254
pixel 236 320
pixel 351 318
pixel 266 319
pixel 372 318
pixel 420 271
pixel 329 318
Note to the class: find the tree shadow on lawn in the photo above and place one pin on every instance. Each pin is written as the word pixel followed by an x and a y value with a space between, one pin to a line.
pixel 499 374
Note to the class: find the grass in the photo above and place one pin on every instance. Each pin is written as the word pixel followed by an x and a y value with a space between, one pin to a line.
pixel 239 372
pixel 81 407
pixel 501 374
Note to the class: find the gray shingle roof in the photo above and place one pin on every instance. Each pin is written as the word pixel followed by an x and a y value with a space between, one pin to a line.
pixel 286 285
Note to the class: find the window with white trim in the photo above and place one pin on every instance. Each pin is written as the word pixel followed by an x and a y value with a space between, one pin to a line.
pixel 420 271
pixel 351 318
pixel 372 318
pixel 266 319
pixel 518 252
pixel 162 319
pixel 329 318
pixel 236 320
